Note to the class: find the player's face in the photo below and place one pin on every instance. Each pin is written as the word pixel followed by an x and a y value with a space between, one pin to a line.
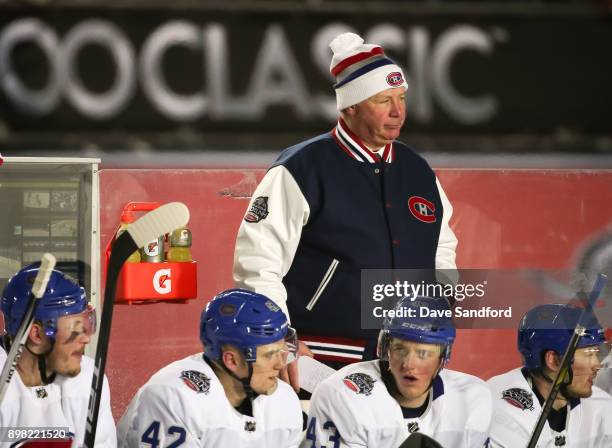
pixel 379 119
pixel 271 358
pixel 585 367
pixel 413 366
pixel 72 336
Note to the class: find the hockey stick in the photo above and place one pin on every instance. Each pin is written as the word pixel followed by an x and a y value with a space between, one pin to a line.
pixel 47 263
pixel 419 440
pixel 562 374
pixel 158 222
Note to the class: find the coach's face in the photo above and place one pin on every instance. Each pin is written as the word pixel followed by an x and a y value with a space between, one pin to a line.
pixel 413 366
pixel 379 119
pixel 585 367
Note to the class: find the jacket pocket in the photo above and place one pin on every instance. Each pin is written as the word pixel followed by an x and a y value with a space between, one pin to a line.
pixel 324 282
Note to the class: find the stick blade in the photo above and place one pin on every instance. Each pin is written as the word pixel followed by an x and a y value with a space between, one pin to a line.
pixel 47 264
pixel 158 222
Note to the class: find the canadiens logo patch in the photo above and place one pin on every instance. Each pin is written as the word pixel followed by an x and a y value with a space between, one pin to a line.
pixel 395 79
pixel 196 381
pixel 519 398
pixel 422 209
pixel 359 383
pixel 258 210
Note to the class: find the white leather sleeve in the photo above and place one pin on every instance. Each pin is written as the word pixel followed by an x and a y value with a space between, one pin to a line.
pixel 265 249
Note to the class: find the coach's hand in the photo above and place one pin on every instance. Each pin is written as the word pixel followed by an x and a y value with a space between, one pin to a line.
pixel 290 373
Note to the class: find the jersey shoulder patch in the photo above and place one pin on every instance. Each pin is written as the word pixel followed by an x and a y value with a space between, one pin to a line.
pixel 360 383
pixel 519 398
pixel 197 381
pixel 258 210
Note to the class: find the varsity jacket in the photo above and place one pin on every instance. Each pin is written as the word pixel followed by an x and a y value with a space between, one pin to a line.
pixel 328 208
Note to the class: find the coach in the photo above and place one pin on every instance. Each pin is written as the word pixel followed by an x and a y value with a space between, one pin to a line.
pixel 351 199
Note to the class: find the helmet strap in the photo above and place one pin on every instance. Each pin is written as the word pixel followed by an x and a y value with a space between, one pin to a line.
pixel 563 388
pixel 42 363
pixel 388 379
pixel 6 342
pixel 246 382
pixel 439 369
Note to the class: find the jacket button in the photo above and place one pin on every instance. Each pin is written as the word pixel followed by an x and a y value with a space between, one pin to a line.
pixel 377 170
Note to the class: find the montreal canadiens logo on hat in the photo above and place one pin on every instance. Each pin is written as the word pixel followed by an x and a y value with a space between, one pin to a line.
pixel 395 79
pixel 422 209
pixel 359 383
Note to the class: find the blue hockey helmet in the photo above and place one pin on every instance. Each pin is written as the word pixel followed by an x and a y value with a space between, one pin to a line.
pixel 243 319
pixel 407 323
pixel 550 327
pixel 62 297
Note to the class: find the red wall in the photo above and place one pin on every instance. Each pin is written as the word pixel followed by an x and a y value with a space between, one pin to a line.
pixel 504 219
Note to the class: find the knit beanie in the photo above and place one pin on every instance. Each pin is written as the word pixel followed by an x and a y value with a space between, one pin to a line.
pixel 361 70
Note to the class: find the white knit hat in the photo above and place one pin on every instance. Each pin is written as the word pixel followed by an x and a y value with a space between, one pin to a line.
pixel 361 70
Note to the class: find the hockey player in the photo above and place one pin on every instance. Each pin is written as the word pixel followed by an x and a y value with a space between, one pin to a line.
pixel 230 395
pixel 380 403
pixel 51 385
pixel 581 415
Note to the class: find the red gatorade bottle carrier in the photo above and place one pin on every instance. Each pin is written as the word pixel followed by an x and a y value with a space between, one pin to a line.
pixel 148 278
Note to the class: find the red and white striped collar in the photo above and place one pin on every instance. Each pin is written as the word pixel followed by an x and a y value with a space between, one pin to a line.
pixel 354 147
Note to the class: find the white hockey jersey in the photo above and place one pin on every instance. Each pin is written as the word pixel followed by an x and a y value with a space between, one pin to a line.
pixel 61 404
pixel 516 410
pixel 353 408
pixel 184 405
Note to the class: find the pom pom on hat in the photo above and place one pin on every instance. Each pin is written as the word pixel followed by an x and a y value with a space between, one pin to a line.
pixel 361 70
pixel 345 42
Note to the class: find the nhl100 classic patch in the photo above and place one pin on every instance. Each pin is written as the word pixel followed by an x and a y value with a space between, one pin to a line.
pixel 196 381
pixel 519 398
pixel 360 383
pixel 258 210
